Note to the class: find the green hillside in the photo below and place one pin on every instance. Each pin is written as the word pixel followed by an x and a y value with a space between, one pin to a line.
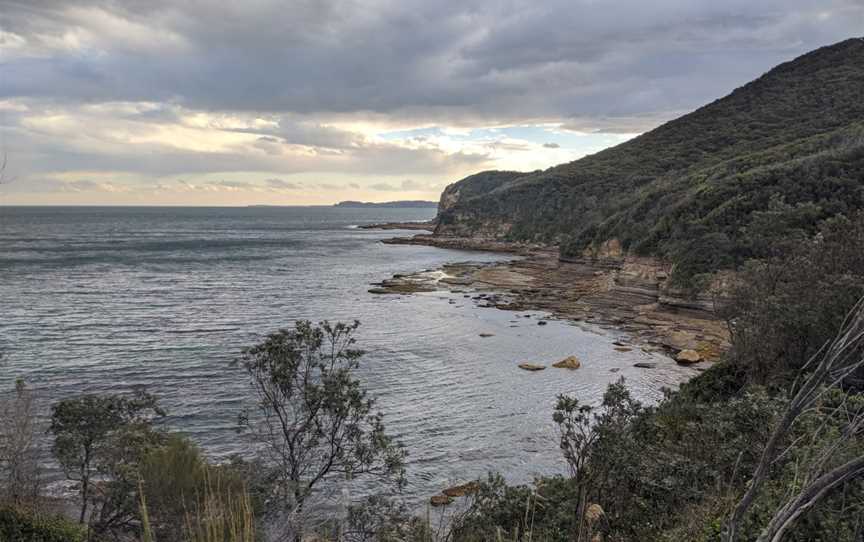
pixel 706 190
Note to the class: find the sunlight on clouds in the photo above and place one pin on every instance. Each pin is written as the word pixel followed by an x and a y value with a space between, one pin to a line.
pixel 183 138
pixel 251 158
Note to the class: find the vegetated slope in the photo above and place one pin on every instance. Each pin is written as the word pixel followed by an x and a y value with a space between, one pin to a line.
pixel 692 190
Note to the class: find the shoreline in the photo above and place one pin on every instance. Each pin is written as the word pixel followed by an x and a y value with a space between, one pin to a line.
pixel 614 291
pixel 426 225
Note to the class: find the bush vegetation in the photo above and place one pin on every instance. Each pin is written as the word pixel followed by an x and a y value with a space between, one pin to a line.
pixel 22 524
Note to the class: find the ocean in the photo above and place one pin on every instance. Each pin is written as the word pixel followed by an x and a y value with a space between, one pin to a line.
pixel 102 299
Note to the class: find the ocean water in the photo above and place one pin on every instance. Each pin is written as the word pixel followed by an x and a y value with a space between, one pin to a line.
pixel 103 299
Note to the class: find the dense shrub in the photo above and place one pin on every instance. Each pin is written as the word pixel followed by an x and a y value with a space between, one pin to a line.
pixel 673 472
pixel 22 525
pixel 783 308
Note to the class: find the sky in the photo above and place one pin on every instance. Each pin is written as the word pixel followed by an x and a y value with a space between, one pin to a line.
pixel 197 102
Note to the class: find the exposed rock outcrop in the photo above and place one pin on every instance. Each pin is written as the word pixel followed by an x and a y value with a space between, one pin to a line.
pixel 462 489
pixel 687 357
pixel 627 292
pixel 423 226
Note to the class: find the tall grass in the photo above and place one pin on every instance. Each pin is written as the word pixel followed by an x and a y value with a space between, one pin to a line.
pixel 222 513
pixel 146 530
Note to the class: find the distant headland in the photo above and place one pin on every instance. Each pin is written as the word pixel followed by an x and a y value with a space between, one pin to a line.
pixel 397 204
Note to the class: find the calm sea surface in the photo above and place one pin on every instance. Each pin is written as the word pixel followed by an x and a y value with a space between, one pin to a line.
pixel 103 299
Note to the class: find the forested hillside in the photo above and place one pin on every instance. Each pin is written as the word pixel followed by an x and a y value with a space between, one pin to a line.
pixel 694 190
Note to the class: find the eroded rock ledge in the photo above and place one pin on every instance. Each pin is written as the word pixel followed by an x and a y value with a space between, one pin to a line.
pixel 607 289
pixel 423 226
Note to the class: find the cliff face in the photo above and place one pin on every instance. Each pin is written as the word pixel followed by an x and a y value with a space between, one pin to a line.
pixel 455 215
pixel 697 189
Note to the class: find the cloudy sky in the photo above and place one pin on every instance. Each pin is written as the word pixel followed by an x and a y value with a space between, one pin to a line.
pixel 310 102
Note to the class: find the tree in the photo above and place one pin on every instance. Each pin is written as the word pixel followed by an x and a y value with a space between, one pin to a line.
pixel 578 438
pixel 104 436
pixel 314 420
pixel 19 469
pixel 590 439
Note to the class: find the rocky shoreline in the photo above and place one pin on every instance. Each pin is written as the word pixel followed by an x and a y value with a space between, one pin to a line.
pixel 610 290
pixel 424 226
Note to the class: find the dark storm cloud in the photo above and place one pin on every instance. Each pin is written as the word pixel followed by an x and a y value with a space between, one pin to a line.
pixel 475 59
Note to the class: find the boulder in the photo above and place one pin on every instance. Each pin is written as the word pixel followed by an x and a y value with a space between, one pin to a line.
pixel 570 362
pixel 623 348
pixel 531 367
pixel 687 357
pixel 541 323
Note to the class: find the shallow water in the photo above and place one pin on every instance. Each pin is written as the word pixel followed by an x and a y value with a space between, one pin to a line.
pixel 101 299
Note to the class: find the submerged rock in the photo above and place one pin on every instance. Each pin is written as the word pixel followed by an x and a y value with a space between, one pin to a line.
pixel 623 348
pixel 486 335
pixel 380 291
pixel 570 362
pixel 401 286
pixel 531 367
pixel 645 365
pixel 440 500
